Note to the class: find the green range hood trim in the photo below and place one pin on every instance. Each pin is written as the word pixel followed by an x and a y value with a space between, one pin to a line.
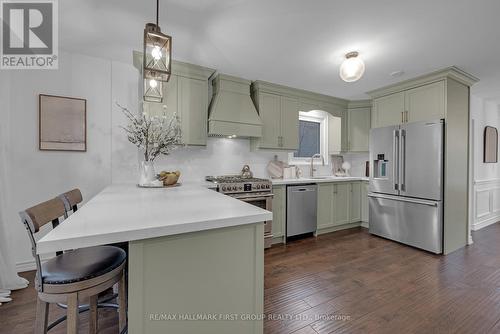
pixel 232 112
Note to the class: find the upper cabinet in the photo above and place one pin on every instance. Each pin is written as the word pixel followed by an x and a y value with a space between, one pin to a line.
pixel 280 122
pixel 425 102
pixel 388 110
pixel 358 126
pixel 187 94
pixel 279 106
pixel 420 99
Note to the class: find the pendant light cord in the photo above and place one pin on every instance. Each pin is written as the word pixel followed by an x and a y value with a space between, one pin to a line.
pixel 157 11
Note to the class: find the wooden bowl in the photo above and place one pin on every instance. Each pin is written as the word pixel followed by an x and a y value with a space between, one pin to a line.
pixel 171 178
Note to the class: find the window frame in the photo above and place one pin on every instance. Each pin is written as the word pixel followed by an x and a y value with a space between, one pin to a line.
pixel 317 116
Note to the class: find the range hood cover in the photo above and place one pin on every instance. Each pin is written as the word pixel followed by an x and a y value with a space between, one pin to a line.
pixel 232 112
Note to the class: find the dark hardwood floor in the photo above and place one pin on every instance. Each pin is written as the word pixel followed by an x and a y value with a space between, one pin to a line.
pixel 352 282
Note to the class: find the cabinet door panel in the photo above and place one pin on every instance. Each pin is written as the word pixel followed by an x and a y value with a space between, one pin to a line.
pixel 359 129
pixel 290 123
pixel 270 114
pixel 334 134
pixel 279 213
pixel 364 202
pixel 325 202
pixel 341 203
pixel 388 110
pixel 355 204
pixel 193 107
pixel 426 103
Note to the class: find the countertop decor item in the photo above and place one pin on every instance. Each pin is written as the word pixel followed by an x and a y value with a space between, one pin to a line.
pixel 246 173
pixel 490 144
pixel 154 135
pixel 275 168
pixel 169 178
pixel 62 123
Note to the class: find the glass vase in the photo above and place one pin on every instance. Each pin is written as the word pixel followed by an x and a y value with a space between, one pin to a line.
pixel 147 173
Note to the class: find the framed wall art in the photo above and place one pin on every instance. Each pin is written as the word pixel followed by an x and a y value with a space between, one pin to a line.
pixel 62 123
pixel 490 144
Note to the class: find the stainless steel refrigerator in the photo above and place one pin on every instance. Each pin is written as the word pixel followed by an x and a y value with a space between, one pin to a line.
pixel 406 184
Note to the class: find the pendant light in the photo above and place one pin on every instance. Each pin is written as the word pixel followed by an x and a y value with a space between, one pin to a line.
pixel 352 68
pixel 157 58
pixel 153 90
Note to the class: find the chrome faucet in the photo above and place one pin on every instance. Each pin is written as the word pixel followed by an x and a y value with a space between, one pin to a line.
pixel 317 155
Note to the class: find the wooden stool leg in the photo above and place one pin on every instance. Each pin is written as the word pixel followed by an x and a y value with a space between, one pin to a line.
pixel 122 302
pixel 42 316
pixel 93 315
pixel 72 313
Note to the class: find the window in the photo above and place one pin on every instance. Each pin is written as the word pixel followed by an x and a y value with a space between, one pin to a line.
pixel 309 139
pixel 313 138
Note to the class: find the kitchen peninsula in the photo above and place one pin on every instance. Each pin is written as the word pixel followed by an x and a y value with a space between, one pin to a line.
pixel 193 254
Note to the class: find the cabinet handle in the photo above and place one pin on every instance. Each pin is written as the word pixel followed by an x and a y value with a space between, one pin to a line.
pixel 406 116
pixel 402 117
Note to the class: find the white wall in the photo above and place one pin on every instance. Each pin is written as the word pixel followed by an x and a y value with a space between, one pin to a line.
pixel 486 182
pixel 34 175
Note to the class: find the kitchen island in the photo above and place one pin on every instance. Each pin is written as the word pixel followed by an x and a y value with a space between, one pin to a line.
pixel 196 257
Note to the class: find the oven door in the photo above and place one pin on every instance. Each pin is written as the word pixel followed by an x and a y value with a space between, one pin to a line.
pixel 264 201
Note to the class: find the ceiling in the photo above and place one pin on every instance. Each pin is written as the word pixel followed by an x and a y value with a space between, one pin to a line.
pixel 301 43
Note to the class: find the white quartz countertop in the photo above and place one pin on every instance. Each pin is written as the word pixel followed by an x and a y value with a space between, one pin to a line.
pixel 126 212
pixel 319 179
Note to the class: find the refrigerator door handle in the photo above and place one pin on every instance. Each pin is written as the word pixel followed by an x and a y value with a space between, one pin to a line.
pixel 395 158
pixel 402 159
pixel 405 199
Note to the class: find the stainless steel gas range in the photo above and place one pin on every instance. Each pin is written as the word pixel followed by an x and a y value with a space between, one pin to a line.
pixel 252 190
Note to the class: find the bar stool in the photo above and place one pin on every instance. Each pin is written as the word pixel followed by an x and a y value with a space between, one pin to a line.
pixel 73 275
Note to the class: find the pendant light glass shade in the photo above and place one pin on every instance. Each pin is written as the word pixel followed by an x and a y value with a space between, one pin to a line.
pixel 353 68
pixel 157 53
pixel 153 90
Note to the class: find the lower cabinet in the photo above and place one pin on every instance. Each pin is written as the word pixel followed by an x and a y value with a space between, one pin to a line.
pixel 355 202
pixel 279 211
pixel 338 204
pixel 325 205
pixel 341 203
pixel 364 202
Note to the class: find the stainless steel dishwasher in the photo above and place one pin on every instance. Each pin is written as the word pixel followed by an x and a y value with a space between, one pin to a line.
pixel 301 209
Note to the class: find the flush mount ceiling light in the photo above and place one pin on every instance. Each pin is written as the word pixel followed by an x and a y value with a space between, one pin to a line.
pixel 157 51
pixel 352 68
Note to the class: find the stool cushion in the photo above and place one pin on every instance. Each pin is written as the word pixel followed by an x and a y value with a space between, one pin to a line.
pixel 82 264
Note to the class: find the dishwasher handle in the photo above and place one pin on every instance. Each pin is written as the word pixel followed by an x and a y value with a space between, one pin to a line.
pixel 303 188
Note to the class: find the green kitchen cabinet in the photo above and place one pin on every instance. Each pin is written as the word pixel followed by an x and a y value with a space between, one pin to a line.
pixel 193 110
pixel 280 122
pixel 355 204
pixel 279 211
pixel 388 110
pixel 358 132
pixel 289 123
pixel 364 201
pixel 422 103
pixel 426 102
pixel 325 205
pixel 341 203
pixel 186 94
pixel 334 134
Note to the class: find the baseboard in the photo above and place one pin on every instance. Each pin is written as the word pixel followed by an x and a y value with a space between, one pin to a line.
pixel 486 222
pixel 364 224
pixel 337 228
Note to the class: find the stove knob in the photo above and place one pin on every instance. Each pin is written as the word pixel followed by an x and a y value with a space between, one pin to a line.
pixel 223 188
pixel 235 188
pixel 267 186
pixel 258 186
pixel 240 188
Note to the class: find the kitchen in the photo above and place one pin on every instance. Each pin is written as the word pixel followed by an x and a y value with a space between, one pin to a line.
pixel 306 147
